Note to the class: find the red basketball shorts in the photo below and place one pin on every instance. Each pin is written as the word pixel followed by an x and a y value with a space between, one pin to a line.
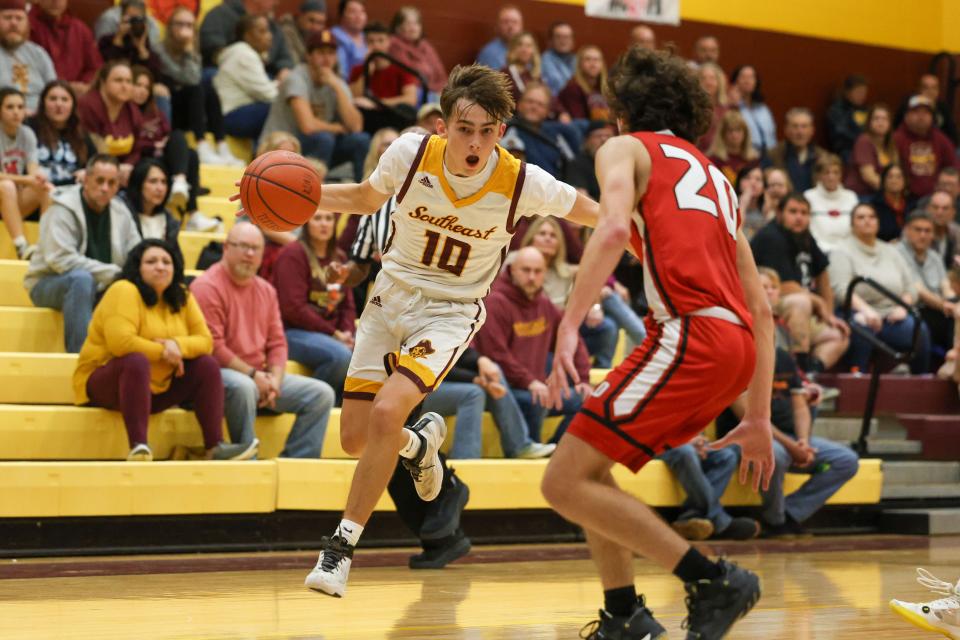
pixel 686 372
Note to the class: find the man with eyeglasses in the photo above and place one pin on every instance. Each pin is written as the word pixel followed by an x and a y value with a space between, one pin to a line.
pixel 243 314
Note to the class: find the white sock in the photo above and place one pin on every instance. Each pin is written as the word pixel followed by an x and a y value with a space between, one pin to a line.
pixel 20 242
pixel 349 531
pixel 412 447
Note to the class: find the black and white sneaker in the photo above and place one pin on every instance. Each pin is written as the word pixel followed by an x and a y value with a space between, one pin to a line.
pixel 329 577
pixel 713 606
pixel 426 469
pixel 639 625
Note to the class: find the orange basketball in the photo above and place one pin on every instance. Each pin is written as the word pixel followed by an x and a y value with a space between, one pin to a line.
pixel 280 190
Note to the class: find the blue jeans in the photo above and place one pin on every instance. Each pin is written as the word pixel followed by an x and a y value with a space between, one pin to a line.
pixel 833 465
pixel 625 318
pixel 334 149
pixel 326 356
pixel 466 401
pixel 704 481
pixel 311 400
pixel 601 341
pixel 897 335
pixel 534 414
pixel 74 293
pixel 513 426
pixel 246 121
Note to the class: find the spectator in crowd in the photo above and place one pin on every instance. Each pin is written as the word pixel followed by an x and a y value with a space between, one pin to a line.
pixel 111 118
pixel 545 143
pixel 311 19
pixel 24 65
pixel 891 202
pixel 558 61
pixel 108 23
pixel 749 100
pixel 704 475
pixel 714 83
pixel 830 203
pixel 581 172
pixel 798 154
pixel 242 312
pixel 643 37
pixel 509 24
pixel 706 50
pixel 518 336
pixel 219 30
pixel 873 150
pixel 146 197
pixel 929 87
pixel 864 254
pixel 318 314
pixel 847 116
pixel 245 89
pixel 168 145
pixel 934 292
pixel 24 188
pixel 351 44
pixel 194 106
pixel 749 188
pixel 68 41
pixel 947 180
pixel 818 338
pixel 130 42
pixel 523 62
pixel 314 103
pixel 946 231
pixel 924 150
pixel 474 383
pixel 63 145
pixel 85 236
pixel 731 149
pixel 427 117
pixel 776 186
pixel 582 99
pixel 148 349
pixel 410 46
pixel 388 96
pixel 796 449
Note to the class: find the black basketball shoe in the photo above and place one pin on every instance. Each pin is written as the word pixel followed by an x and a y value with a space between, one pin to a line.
pixel 639 625
pixel 714 605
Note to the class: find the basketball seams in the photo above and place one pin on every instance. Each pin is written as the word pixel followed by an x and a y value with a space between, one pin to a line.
pixel 267 204
pixel 274 192
pixel 315 203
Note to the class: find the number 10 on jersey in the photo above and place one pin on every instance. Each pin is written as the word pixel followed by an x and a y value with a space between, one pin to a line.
pixel 445 261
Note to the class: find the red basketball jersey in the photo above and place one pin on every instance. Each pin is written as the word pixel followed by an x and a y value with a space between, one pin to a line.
pixel 685 227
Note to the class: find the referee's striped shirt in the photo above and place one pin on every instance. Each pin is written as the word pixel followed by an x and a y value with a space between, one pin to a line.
pixel 373 231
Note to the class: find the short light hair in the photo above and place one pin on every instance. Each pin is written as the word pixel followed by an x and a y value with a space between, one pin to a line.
pixel 480 85
pixel 798 111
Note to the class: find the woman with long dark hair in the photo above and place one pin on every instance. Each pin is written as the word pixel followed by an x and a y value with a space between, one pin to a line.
pixel 148 349
pixel 892 202
pixel 745 85
pixel 146 198
pixel 873 150
pixel 63 145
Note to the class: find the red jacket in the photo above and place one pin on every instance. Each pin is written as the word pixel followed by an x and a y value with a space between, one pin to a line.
pixel 69 42
pixel 304 300
pixel 520 333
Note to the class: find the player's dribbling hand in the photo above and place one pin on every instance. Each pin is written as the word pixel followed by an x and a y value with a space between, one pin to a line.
pixel 755 439
pixel 563 366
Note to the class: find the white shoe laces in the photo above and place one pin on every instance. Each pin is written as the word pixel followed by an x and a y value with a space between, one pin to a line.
pixel 938 586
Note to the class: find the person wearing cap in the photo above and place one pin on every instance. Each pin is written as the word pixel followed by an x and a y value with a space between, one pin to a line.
pixel 352 46
pixel 387 96
pixel 219 30
pixel 428 115
pixel 924 150
pixel 929 86
pixel 314 104
pixel 68 41
pixel 297 29
pixel 24 65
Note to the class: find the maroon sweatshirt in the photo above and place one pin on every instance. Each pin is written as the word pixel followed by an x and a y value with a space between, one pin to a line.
pixel 520 333
pixel 304 300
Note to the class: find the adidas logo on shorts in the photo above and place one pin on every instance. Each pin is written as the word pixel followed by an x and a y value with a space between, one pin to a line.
pixel 375 301
pixel 425 181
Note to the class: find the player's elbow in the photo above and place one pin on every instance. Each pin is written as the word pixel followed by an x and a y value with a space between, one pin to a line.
pixel 614 235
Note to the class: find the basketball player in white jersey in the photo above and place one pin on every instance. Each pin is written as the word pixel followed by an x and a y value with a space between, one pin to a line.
pixel 459 197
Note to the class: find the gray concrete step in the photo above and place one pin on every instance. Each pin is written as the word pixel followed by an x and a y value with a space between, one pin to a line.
pixel 920 521
pixel 839 429
pixel 881 447
pixel 910 472
pixel 905 491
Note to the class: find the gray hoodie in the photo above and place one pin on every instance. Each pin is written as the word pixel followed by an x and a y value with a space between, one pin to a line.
pixel 63 240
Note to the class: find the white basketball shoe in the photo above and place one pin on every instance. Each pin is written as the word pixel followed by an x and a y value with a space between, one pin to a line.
pixel 426 469
pixel 940 616
pixel 329 577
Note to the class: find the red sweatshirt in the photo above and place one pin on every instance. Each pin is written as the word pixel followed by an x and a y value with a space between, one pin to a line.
pixel 69 42
pixel 520 333
pixel 304 300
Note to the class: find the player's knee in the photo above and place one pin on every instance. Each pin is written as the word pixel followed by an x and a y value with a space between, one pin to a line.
pixel 554 486
pixel 8 187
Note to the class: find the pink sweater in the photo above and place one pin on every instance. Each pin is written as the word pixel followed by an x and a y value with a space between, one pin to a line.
pixel 244 320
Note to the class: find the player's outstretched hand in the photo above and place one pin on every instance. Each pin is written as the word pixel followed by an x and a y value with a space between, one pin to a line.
pixel 563 367
pixel 755 438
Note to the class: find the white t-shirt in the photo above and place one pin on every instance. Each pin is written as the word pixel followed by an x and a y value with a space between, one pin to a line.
pixel 450 235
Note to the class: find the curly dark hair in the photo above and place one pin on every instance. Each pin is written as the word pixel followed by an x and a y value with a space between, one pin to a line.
pixel 656 90
pixel 175 295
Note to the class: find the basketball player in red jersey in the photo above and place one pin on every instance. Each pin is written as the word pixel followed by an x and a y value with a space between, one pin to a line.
pixel 710 337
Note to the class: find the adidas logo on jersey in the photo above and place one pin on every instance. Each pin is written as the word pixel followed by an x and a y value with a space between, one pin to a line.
pixel 375 301
pixel 425 181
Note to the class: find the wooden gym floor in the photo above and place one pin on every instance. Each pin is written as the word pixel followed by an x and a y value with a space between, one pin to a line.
pixel 815 589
